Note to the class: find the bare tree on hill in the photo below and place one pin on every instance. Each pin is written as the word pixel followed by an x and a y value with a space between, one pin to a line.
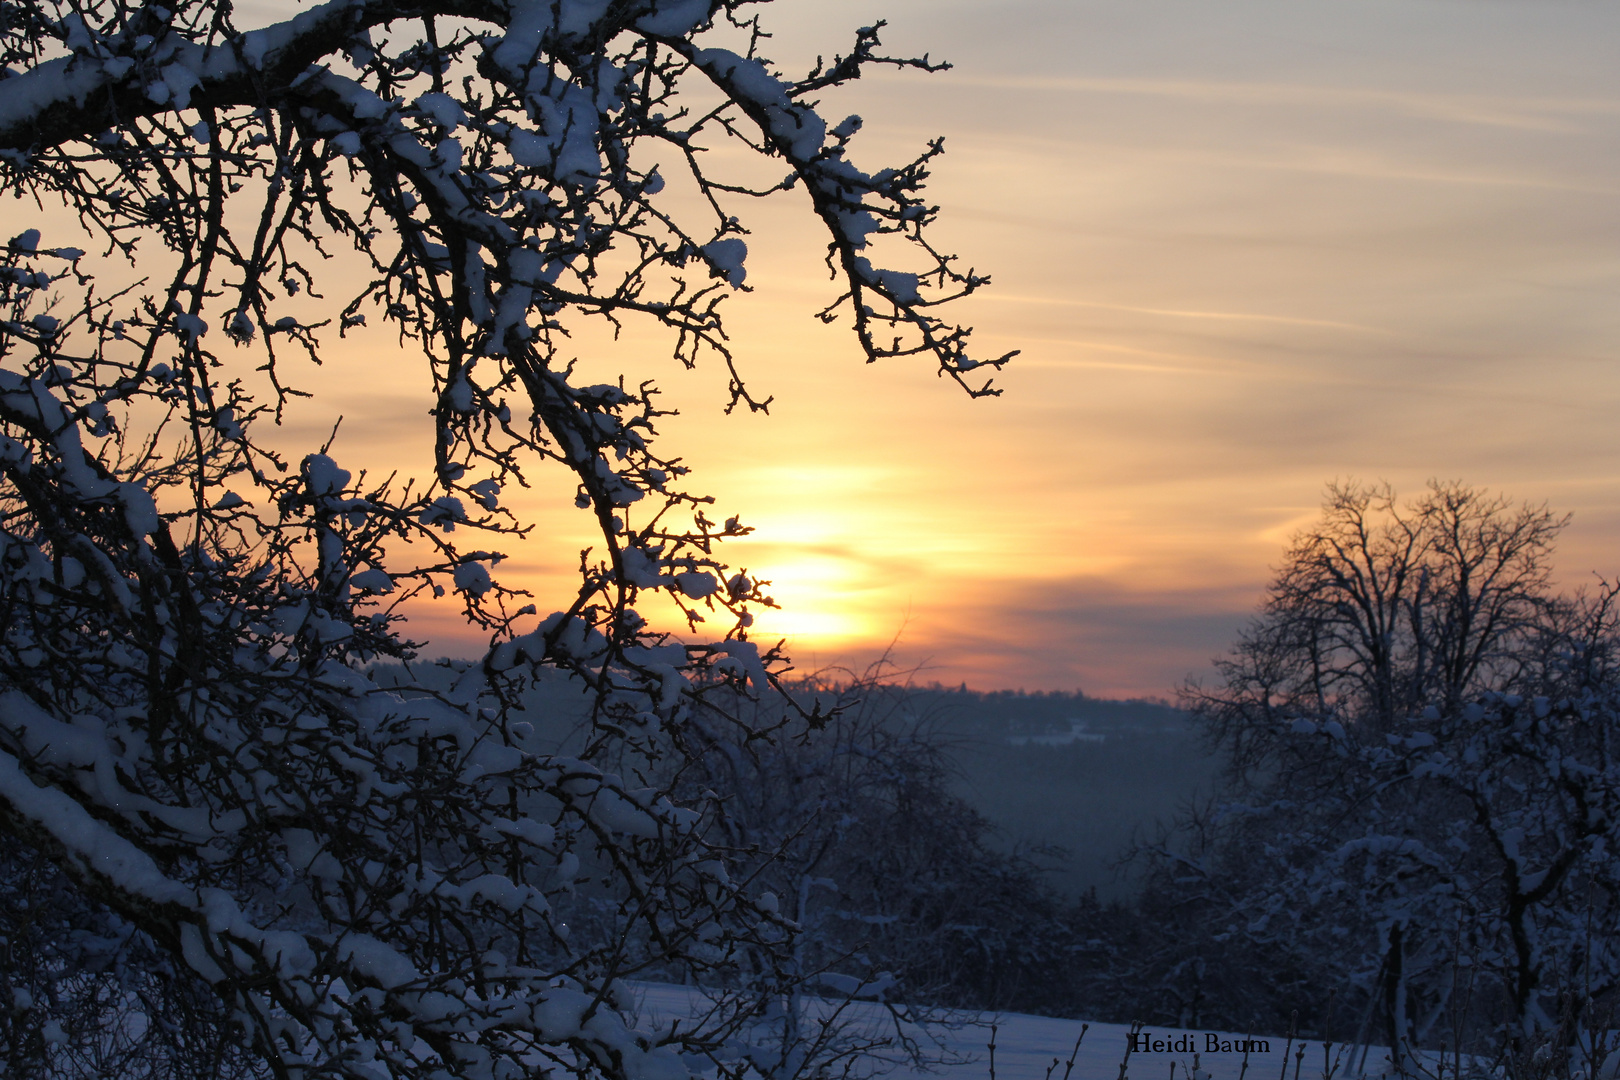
pixel 1419 830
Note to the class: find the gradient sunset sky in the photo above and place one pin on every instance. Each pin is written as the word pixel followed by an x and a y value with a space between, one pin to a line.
pixel 1246 247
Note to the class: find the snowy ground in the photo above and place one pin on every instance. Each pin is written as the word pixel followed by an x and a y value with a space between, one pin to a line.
pixel 1026 1047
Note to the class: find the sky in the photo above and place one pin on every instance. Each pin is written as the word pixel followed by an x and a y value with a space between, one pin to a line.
pixel 1245 247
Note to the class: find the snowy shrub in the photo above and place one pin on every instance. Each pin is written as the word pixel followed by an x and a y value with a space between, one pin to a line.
pixel 258 859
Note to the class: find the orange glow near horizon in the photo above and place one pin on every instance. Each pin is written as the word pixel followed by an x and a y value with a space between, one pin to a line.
pixel 1246 249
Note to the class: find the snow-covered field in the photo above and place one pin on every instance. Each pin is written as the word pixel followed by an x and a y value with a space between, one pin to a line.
pixel 1026 1047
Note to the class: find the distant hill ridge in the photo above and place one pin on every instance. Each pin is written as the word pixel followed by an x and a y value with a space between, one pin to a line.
pixel 1019 712
pixel 996 713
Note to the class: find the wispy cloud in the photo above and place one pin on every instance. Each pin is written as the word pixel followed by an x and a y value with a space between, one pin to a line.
pixel 1304 153
pixel 1518 112
pixel 1232 316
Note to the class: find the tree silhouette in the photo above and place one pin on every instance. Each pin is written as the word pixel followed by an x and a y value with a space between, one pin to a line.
pixel 1420 813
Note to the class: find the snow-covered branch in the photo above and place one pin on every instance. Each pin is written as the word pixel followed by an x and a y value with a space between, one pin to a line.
pixel 382 871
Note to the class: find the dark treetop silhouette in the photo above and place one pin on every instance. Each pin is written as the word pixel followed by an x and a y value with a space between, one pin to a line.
pixel 372 881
